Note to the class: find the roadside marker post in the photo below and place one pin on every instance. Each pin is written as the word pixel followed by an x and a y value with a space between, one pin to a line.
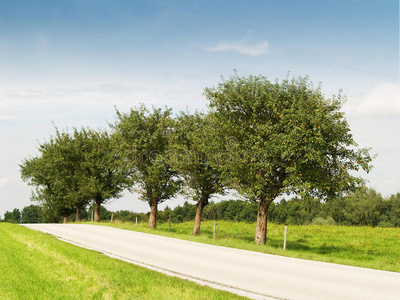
pixel 214 231
pixel 284 239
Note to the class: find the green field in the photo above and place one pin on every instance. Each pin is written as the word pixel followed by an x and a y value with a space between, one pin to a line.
pixel 34 265
pixel 376 248
pixel 38 266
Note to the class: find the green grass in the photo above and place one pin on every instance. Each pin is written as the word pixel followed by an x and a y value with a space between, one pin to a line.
pixel 376 248
pixel 34 265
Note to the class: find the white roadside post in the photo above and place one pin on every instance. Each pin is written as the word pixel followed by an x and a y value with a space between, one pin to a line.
pixel 214 231
pixel 284 239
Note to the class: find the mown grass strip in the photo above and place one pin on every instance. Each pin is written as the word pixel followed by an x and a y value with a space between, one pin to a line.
pixel 375 248
pixel 38 266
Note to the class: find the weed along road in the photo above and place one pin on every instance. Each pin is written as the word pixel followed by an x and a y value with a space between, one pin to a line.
pixel 256 275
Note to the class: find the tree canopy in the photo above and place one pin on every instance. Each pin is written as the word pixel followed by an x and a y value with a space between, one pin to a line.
pixel 188 155
pixel 282 137
pixel 264 139
pixel 143 142
pixel 72 170
pixel 53 174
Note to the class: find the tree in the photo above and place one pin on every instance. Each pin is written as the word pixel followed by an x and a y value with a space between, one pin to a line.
pixel 394 210
pixel 143 141
pixel 364 207
pixel 73 169
pixel 50 176
pixel 189 157
pixel 104 213
pixel 102 177
pixel 282 137
pixel 13 217
pixel 31 214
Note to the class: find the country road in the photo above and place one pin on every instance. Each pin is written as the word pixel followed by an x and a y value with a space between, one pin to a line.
pixel 256 275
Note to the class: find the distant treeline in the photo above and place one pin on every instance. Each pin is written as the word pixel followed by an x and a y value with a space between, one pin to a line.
pixel 363 208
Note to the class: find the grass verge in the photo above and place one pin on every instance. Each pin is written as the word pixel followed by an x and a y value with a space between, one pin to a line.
pixel 375 248
pixel 38 266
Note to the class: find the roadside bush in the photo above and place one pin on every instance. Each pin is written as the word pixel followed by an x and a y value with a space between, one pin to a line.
pixel 323 221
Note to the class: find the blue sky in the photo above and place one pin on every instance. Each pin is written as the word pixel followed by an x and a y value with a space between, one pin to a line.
pixel 71 62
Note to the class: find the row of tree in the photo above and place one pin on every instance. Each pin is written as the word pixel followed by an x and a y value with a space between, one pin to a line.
pixel 260 138
pixel 366 207
pixel 29 214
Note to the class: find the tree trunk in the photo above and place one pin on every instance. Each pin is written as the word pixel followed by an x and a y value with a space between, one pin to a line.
pixel 97 212
pixel 153 215
pixel 65 220
pixel 262 218
pixel 78 216
pixel 197 220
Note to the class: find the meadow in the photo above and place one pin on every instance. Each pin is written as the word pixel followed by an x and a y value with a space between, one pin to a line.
pixel 38 266
pixel 376 248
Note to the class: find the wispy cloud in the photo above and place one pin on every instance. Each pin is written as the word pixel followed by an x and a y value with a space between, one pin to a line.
pixel 241 47
pixel 382 101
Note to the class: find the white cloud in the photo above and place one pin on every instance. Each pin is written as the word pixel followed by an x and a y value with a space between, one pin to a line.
pixel 252 50
pixel 382 101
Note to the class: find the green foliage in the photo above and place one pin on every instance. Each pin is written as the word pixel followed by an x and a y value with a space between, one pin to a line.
pixel 363 208
pixel 183 213
pixel 55 174
pixel 142 137
pixel 102 177
pixel 322 221
pixel 129 216
pixel 366 207
pixel 12 217
pixel 283 137
pixel 72 170
pixel 261 138
pixel 105 214
pixel 188 155
pixel 234 210
pixel 296 211
pixel 393 211
pixel 32 214
pixel 143 141
pixel 85 216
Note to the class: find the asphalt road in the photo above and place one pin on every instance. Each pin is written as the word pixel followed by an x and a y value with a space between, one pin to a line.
pixel 256 275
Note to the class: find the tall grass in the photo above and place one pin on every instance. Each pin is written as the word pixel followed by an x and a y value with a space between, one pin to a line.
pixel 34 265
pixel 376 248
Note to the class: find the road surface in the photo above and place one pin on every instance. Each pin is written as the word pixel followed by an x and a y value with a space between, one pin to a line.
pixel 255 275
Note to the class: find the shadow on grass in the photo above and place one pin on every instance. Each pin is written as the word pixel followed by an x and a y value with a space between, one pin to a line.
pixel 302 244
